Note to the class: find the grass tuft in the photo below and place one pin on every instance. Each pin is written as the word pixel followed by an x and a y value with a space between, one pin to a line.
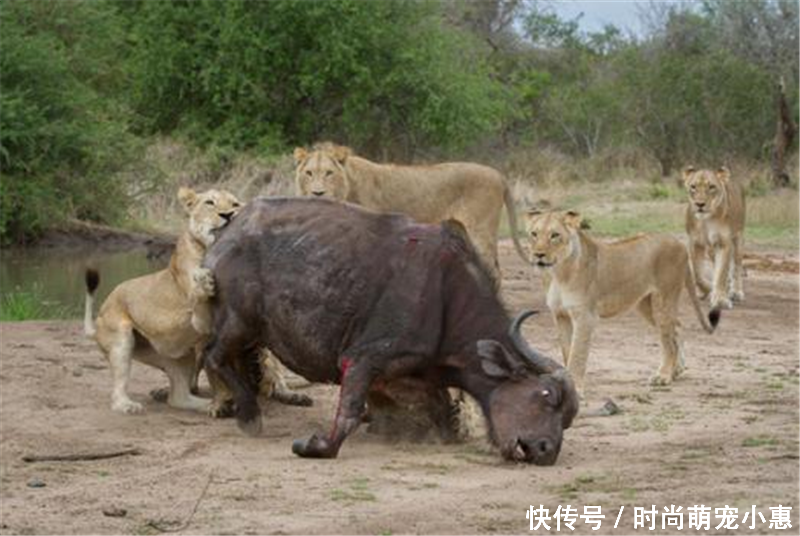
pixel 28 304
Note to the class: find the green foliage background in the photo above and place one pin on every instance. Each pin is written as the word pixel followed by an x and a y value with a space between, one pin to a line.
pixel 86 85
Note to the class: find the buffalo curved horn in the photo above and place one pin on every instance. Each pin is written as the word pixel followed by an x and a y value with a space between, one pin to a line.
pixel 542 363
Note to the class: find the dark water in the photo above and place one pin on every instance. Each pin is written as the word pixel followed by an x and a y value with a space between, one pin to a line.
pixel 55 277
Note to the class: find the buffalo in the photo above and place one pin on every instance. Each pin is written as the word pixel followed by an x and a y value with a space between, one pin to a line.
pixel 344 295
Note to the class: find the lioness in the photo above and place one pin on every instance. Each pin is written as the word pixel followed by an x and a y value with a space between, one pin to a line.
pixel 160 318
pixel 715 225
pixel 472 194
pixel 587 280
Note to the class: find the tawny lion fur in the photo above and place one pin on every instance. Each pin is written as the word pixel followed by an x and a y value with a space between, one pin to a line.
pixel 161 319
pixel 715 224
pixel 472 194
pixel 587 280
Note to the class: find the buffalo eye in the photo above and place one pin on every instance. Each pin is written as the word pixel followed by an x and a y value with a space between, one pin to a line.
pixel 551 396
pixel 210 202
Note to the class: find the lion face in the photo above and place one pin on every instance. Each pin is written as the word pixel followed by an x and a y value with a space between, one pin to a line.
pixel 552 236
pixel 208 211
pixel 321 172
pixel 706 190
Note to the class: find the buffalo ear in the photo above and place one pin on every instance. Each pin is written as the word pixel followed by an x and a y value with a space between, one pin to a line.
pixel 496 362
pixel 187 198
pixel 570 400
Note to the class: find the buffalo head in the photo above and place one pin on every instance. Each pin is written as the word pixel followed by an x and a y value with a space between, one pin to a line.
pixel 534 401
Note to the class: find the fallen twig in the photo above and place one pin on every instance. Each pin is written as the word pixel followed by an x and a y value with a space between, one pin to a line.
pixel 87 456
pixel 157 525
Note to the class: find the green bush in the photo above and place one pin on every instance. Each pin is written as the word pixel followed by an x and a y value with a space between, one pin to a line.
pixel 62 134
pixel 268 75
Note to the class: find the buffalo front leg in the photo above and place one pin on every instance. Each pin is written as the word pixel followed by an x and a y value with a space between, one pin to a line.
pixel 226 356
pixel 357 377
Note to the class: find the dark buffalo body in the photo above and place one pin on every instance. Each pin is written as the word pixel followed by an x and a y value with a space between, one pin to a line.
pixel 341 294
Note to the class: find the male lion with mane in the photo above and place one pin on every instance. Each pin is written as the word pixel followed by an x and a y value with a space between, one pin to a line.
pixel 587 280
pixel 471 194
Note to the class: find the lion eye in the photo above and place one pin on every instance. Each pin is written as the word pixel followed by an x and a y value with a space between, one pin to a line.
pixel 328 173
pixel 533 234
pixel 555 236
pixel 210 202
pixel 236 205
pixel 712 189
pixel 693 188
pixel 308 172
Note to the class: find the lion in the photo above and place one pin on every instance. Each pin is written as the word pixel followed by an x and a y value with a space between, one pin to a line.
pixel 161 319
pixel 715 225
pixel 471 194
pixel 587 280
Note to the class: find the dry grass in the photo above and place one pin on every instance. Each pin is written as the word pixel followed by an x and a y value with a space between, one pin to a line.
pixel 619 191
pixel 176 164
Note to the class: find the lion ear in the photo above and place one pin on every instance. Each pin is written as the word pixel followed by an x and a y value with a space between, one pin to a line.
pixel 187 198
pixel 723 174
pixel 687 172
pixel 300 155
pixel 340 153
pixel 573 219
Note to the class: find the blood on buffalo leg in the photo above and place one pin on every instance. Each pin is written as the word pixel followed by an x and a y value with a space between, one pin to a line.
pixel 357 377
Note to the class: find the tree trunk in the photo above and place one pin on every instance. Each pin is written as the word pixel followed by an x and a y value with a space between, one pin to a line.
pixel 785 131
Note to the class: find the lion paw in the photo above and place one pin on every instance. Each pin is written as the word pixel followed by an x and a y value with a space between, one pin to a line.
pixel 128 407
pixel 736 296
pixel 679 370
pixel 719 302
pixel 204 285
pixel 660 379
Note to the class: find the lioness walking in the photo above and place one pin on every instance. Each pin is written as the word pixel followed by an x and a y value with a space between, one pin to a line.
pixel 715 225
pixel 587 280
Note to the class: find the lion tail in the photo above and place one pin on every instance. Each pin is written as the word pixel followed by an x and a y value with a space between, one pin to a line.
pixel 92 278
pixel 710 323
pixel 512 223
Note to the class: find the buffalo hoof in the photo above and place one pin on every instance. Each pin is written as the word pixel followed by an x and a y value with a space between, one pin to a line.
pixel 251 427
pixel 293 399
pixel 313 447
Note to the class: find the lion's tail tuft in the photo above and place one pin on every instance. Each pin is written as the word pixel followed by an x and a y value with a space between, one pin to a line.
pixel 92 278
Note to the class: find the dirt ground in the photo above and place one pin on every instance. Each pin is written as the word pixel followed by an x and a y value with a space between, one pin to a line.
pixel 726 434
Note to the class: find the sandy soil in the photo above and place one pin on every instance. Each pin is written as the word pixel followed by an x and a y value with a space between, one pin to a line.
pixel 725 434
